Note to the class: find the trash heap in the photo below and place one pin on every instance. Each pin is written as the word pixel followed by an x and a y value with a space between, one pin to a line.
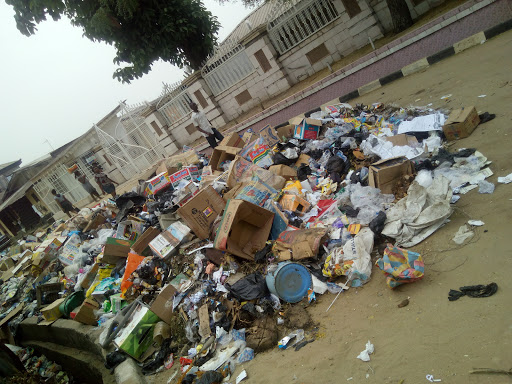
pixel 200 265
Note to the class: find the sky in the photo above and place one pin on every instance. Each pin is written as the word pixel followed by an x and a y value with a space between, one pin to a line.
pixel 56 84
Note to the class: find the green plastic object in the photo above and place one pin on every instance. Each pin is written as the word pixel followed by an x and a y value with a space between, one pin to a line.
pixel 72 301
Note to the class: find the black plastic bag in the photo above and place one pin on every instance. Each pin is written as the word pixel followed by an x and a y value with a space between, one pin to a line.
pixel 113 359
pixel 158 361
pixel 377 224
pixel 210 377
pixel 261 255
pixel 349 211
pixel 251 287
pixel 303 171
pixel 335 168
pixel 279 158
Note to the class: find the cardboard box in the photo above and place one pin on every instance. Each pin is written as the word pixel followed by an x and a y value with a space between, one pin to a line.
pixel 461 123
pixel 95 223
pixel 284 171
pixel 190 173
pixel 157 183
pixel 249 136
pixel 242 171
pixel 221 154
pixel 129 229
pixel 200 212
pixel 164 168
pixel 303 159
pixel 162 306
pixel 285 132
pixel 141 245
pixel 116 249
pixel 137 335
pixel 385 174
pixel 402 140
pixel 51 312
pixel 85 313
pixel 181 159
pixel 306 128
pixel 257 193
pixel 270 135
pixel 187 193
pixel 233 140
pixel 244 229
pixel 167 242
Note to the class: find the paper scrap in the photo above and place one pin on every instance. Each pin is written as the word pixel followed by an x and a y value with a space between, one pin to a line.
pixel 365 355
pixel 505 180
pixel 241 376
pixel 476 223
pixel 467 188
pixel 427 123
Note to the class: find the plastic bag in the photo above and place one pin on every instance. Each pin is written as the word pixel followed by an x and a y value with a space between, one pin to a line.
pixel 401 266
pixel 485 187
pixel 279 158
pixel 356 253
pixel 132 262
pixel 251 287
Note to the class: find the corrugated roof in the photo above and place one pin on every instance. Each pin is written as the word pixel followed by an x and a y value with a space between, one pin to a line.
pixel 6 165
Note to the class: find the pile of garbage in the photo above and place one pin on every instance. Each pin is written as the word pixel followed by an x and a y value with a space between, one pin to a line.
pixel 199 266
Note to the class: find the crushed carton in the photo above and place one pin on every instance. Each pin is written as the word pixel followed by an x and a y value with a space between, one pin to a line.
pixel 300 244
pixel 190 173
pixel 200 212
pixel 85 313
pixel 294 203
pixel 157 184
pixel 461 123
pixel 269 135
pixel 285 132
pixel 141 245
pixel 249 136
pixel 51 312
pixel 385 174
pixel 244 229
pixel 162 306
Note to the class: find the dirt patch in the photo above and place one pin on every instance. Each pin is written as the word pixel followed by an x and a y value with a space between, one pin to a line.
pixel 297 317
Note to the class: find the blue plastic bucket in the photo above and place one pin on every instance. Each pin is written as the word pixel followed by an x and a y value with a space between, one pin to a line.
pixel 290 282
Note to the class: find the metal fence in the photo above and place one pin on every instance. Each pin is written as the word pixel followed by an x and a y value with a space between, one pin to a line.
pixel 299 22
pixel 229 65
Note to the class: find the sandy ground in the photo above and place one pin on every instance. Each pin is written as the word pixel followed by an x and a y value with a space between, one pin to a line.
pixel 430 336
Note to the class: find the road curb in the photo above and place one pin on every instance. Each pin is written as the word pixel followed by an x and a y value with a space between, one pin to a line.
pixel 424 63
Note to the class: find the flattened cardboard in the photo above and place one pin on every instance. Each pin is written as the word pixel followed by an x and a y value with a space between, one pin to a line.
pixel 270 135
pixel 385 174
pixel 221 154
pixel 233 140
pixel 244 229
pixel 95 223
pixel 141 246
pixel 162 306
pixel 241 171
pixel 402 140
pixel 190 173
pixel 294 203
pixel 288 173
pixel 12 314
pixel 200 212
pixel 204 322
pixel 461 123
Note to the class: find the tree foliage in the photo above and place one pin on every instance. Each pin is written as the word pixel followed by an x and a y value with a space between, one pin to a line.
pixel 182 32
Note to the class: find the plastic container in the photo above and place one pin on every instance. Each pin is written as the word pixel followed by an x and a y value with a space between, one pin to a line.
pixel 290 282
pixel 72 302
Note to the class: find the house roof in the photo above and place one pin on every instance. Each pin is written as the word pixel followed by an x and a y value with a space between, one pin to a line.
pixel 11 164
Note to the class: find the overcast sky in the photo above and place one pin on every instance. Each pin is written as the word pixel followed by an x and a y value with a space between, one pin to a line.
pixel 56 84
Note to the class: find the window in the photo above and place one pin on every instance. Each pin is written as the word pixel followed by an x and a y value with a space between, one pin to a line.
pixel 317 54
pixel 107 160
pixel 156 128
pixel 243 97
pixel 36 199
pixel 352 7
pixel 262 61
pixel 191 129
pixel 200 98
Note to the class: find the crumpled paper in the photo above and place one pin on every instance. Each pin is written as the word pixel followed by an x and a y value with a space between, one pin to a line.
pixel 365 355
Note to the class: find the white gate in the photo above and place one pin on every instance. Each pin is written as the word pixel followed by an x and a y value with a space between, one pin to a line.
pixel 298 21
pixel 64 183
pixel 134 146
pixel 174 103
